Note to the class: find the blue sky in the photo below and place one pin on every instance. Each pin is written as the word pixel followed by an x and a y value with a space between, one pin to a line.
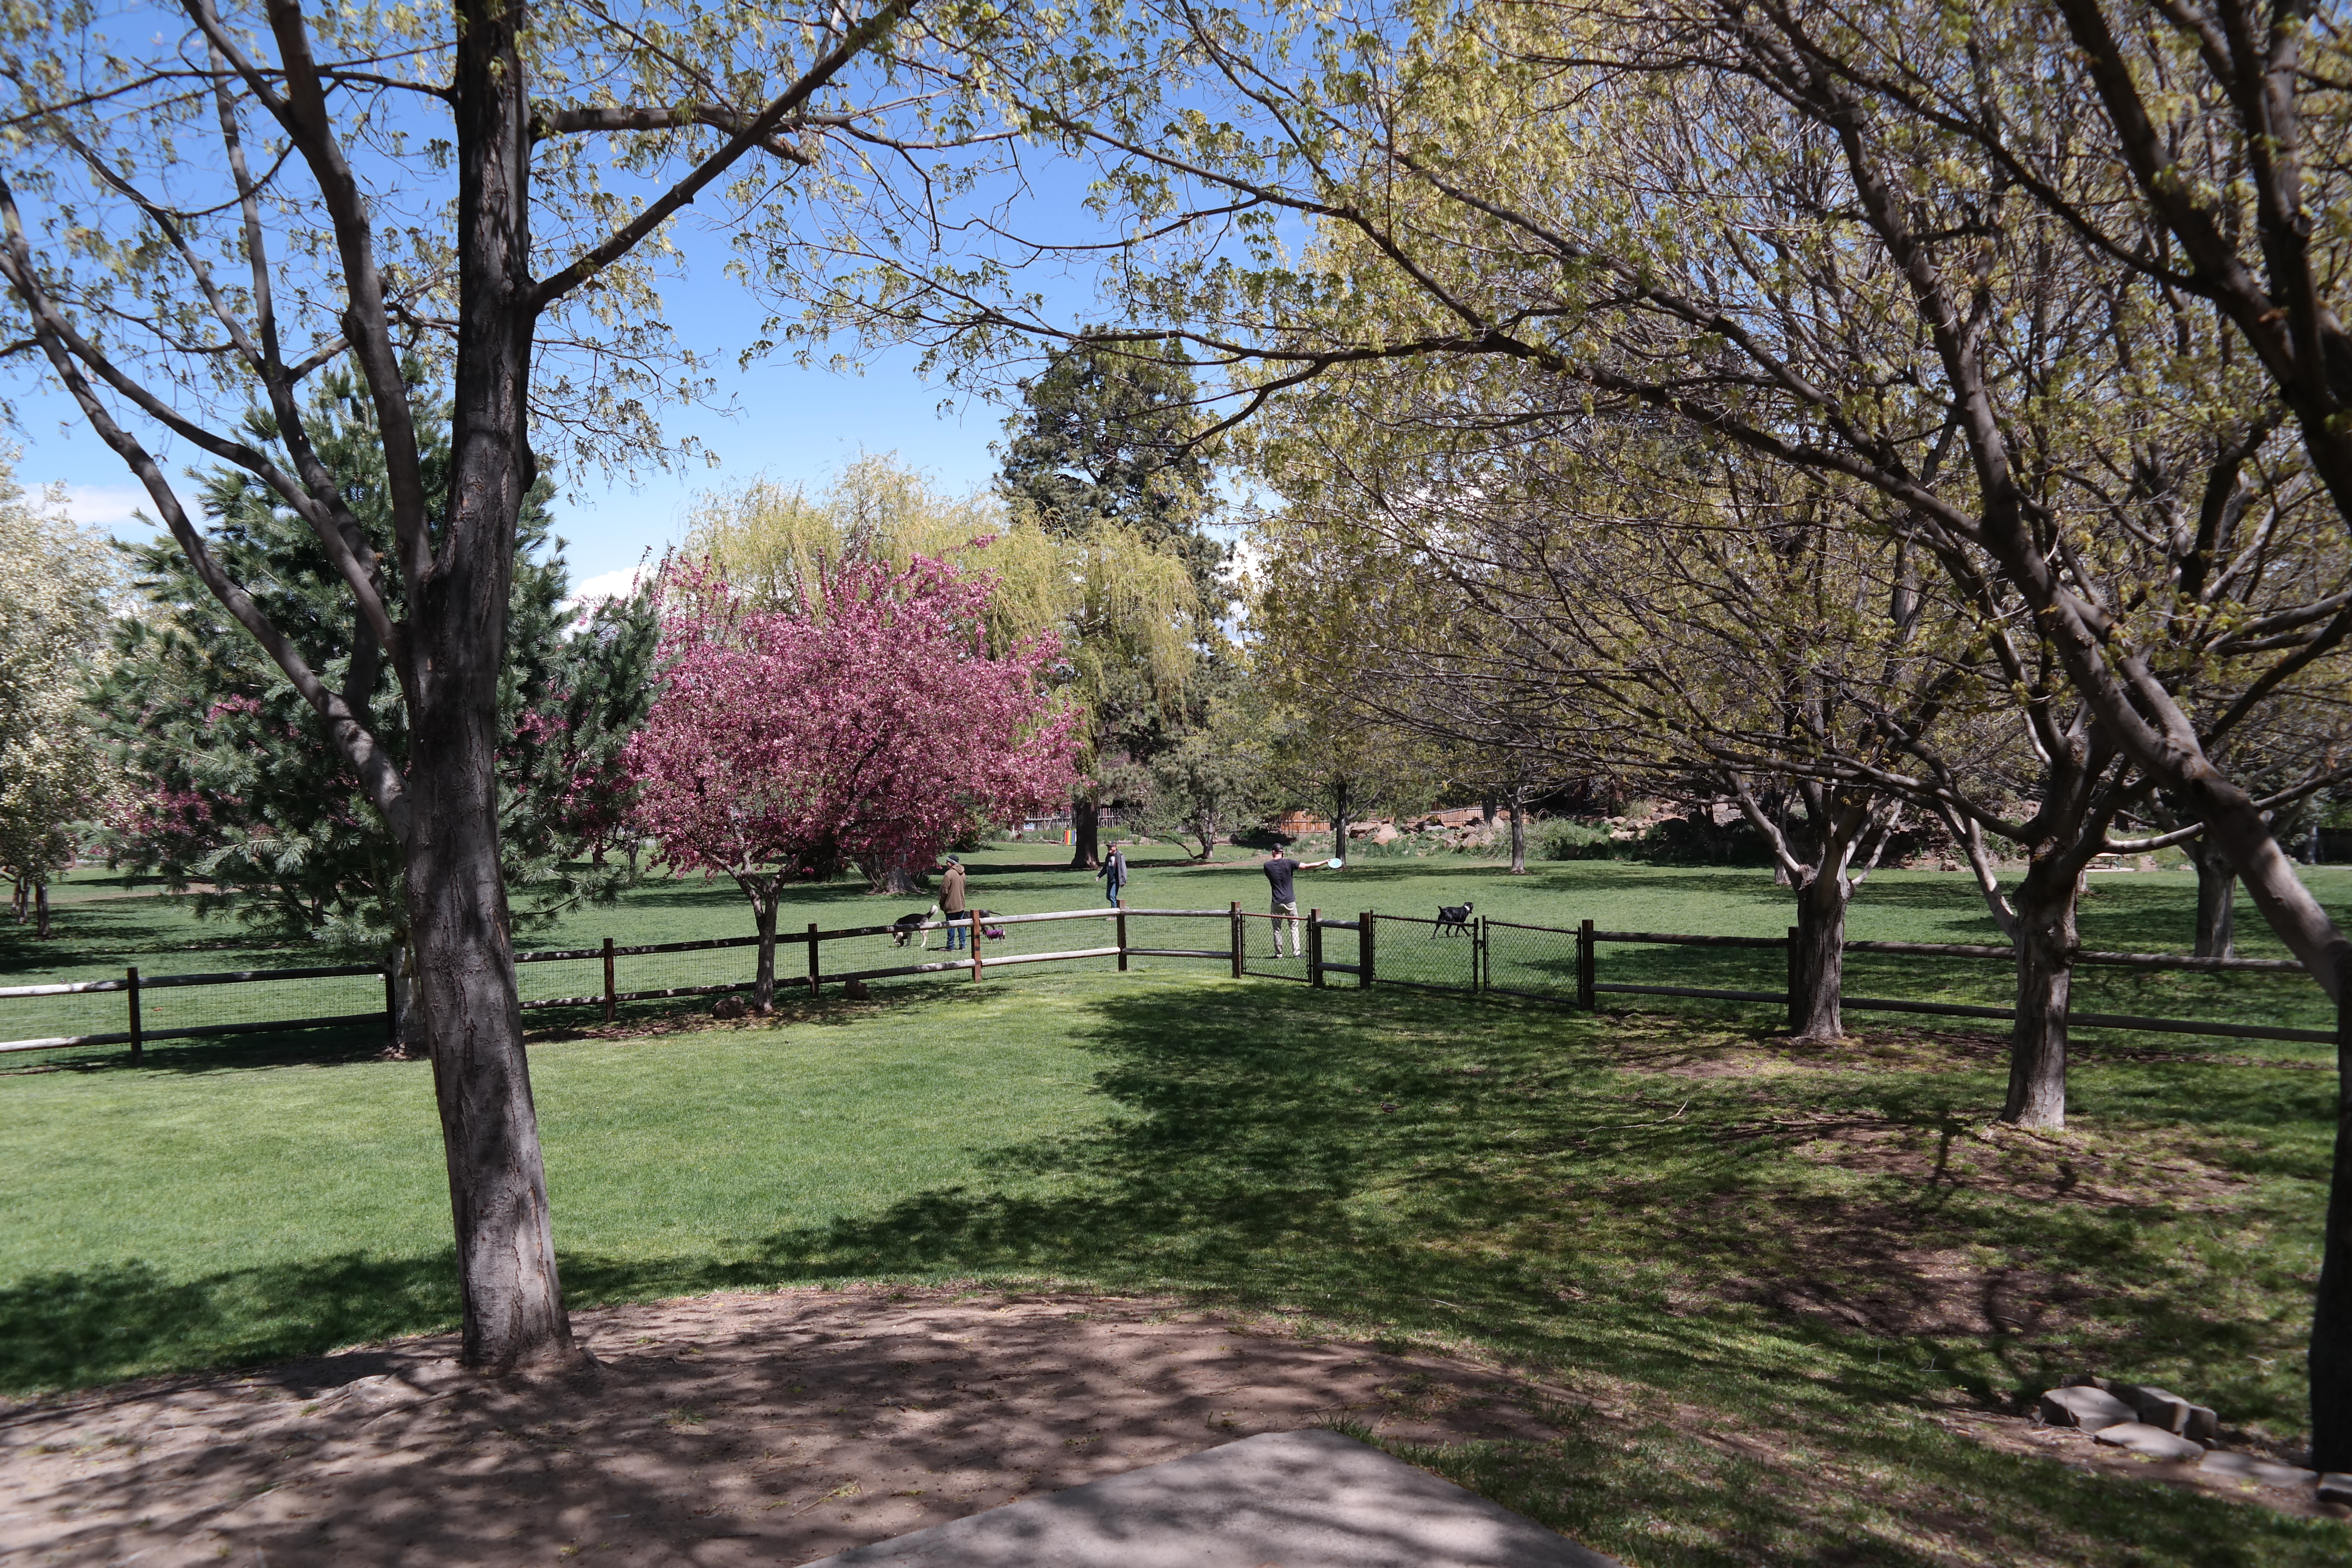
pixel 788 422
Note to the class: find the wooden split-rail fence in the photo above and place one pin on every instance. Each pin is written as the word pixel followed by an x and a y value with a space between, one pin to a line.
pixel 1550 964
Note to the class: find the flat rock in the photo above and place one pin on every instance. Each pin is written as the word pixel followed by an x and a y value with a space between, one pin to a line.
pixel 2336 1487
pixel 2246 1467
pixel 2089 1408
pixel 1300 1500
pixel 2155 1442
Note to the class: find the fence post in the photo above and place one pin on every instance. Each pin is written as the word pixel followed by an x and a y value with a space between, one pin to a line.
pixel 1122 941
pixel 815 984
pixel 1315 949
pixel 974 917
pixel 612 992
pixel 1479 956
pixel 138 1039
pixel 391 1004
pixel 1586 997
pixel 1796 982
pixel 1364 951
pixel 1237 939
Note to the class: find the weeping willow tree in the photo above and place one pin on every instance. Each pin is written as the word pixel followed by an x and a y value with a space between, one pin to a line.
pixel 1128 613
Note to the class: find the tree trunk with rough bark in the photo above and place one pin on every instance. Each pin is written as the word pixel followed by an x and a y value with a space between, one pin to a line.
pixel 1821 958
pixel 41 910
pixel 1086 829
pixel 453 651
pixel 2331 1315
pixel 1518 833
pixel 763 979
pixel 2217 899
pixel 2046 944
pixel 1342 800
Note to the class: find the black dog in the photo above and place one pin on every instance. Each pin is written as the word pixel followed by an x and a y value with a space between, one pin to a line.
pixel 1453 920
pixel 906 926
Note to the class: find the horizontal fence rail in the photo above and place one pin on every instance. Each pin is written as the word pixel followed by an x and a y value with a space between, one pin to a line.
pixel 1466 955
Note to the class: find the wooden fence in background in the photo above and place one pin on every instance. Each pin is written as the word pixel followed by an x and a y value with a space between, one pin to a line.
pixel 1550 964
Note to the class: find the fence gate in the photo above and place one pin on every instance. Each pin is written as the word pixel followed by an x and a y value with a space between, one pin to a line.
pixel 1436 955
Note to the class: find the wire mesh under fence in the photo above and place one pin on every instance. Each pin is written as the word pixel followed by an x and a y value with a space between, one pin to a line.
pixel 576 980
pixel 153 1009
pixel 2168 993
pixel 75 1016
pixel 667 971
pixel 1273 946
pixel 1180 938
pixel 1531 961
pixel 1672 970
pixel 1434 955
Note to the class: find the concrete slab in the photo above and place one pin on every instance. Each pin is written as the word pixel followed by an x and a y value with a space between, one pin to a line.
pixel 1282 1500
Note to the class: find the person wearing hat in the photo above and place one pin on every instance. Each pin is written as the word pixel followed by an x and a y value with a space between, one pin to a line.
pixel 952 903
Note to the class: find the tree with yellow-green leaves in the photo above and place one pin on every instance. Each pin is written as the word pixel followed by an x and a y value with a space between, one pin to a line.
pixel 1125 612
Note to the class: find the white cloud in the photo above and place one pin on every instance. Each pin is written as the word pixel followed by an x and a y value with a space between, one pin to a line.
pixel 606 585
pixel 111 507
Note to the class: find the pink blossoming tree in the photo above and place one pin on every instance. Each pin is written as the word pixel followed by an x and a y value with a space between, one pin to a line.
pixel 870 720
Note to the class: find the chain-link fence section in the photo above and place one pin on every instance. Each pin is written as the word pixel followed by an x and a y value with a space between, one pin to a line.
pixel 1273 946
pixel 1434 954
pixel 1531 961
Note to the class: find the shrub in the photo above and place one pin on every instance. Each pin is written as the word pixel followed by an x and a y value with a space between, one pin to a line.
pixel 1568 840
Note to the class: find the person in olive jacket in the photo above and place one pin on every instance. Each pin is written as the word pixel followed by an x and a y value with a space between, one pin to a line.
pixel 952 903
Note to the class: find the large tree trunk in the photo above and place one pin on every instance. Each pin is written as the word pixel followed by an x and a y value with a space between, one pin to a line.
pixel 2331 1317
pixel 1820 959
pixel 455 648
pixel 2046 944
pixel 1518 833
pixel 1086 819
pixel 2217 899
pixel 1342 800
pixel 41 910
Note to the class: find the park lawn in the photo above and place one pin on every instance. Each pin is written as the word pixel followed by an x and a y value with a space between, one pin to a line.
pixel 1770 1267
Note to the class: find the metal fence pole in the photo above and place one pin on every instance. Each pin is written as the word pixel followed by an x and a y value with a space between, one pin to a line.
pixel 1364 951
pixel 392 1003
pixel 138 1039
pixel 612 992
pixel 1122 941
pixel 1586 997
pixel 1479 956
pixel 815 982
pixel 1315 949
pixel 1796 982
pixel 1237 915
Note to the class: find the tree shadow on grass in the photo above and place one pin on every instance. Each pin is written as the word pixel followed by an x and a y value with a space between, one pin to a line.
pixel 1421 1170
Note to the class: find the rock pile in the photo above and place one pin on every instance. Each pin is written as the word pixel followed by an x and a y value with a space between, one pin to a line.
pixel 2141 1418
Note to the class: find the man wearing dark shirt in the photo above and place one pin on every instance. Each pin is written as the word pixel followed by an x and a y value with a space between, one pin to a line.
pixel 1279 869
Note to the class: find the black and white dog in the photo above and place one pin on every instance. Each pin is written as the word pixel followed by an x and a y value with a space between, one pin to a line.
pixel 1453 920
pixel 906 925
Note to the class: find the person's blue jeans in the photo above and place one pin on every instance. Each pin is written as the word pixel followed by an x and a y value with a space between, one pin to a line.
pixel 1117 890
pixel 957 929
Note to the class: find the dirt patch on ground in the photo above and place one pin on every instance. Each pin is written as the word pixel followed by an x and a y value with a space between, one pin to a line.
pixel 772 1428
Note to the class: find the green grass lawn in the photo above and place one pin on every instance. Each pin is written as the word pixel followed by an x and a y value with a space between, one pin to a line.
pixel 1727 1241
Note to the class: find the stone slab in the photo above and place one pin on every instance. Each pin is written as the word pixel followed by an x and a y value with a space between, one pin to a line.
pixel 2089 1408
pixel 2155 1442
pixel 2336 1487
pixel 1294 1499
pixel 2247 1466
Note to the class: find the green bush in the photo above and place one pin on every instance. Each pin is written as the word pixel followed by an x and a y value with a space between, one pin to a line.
pixel 1567 840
